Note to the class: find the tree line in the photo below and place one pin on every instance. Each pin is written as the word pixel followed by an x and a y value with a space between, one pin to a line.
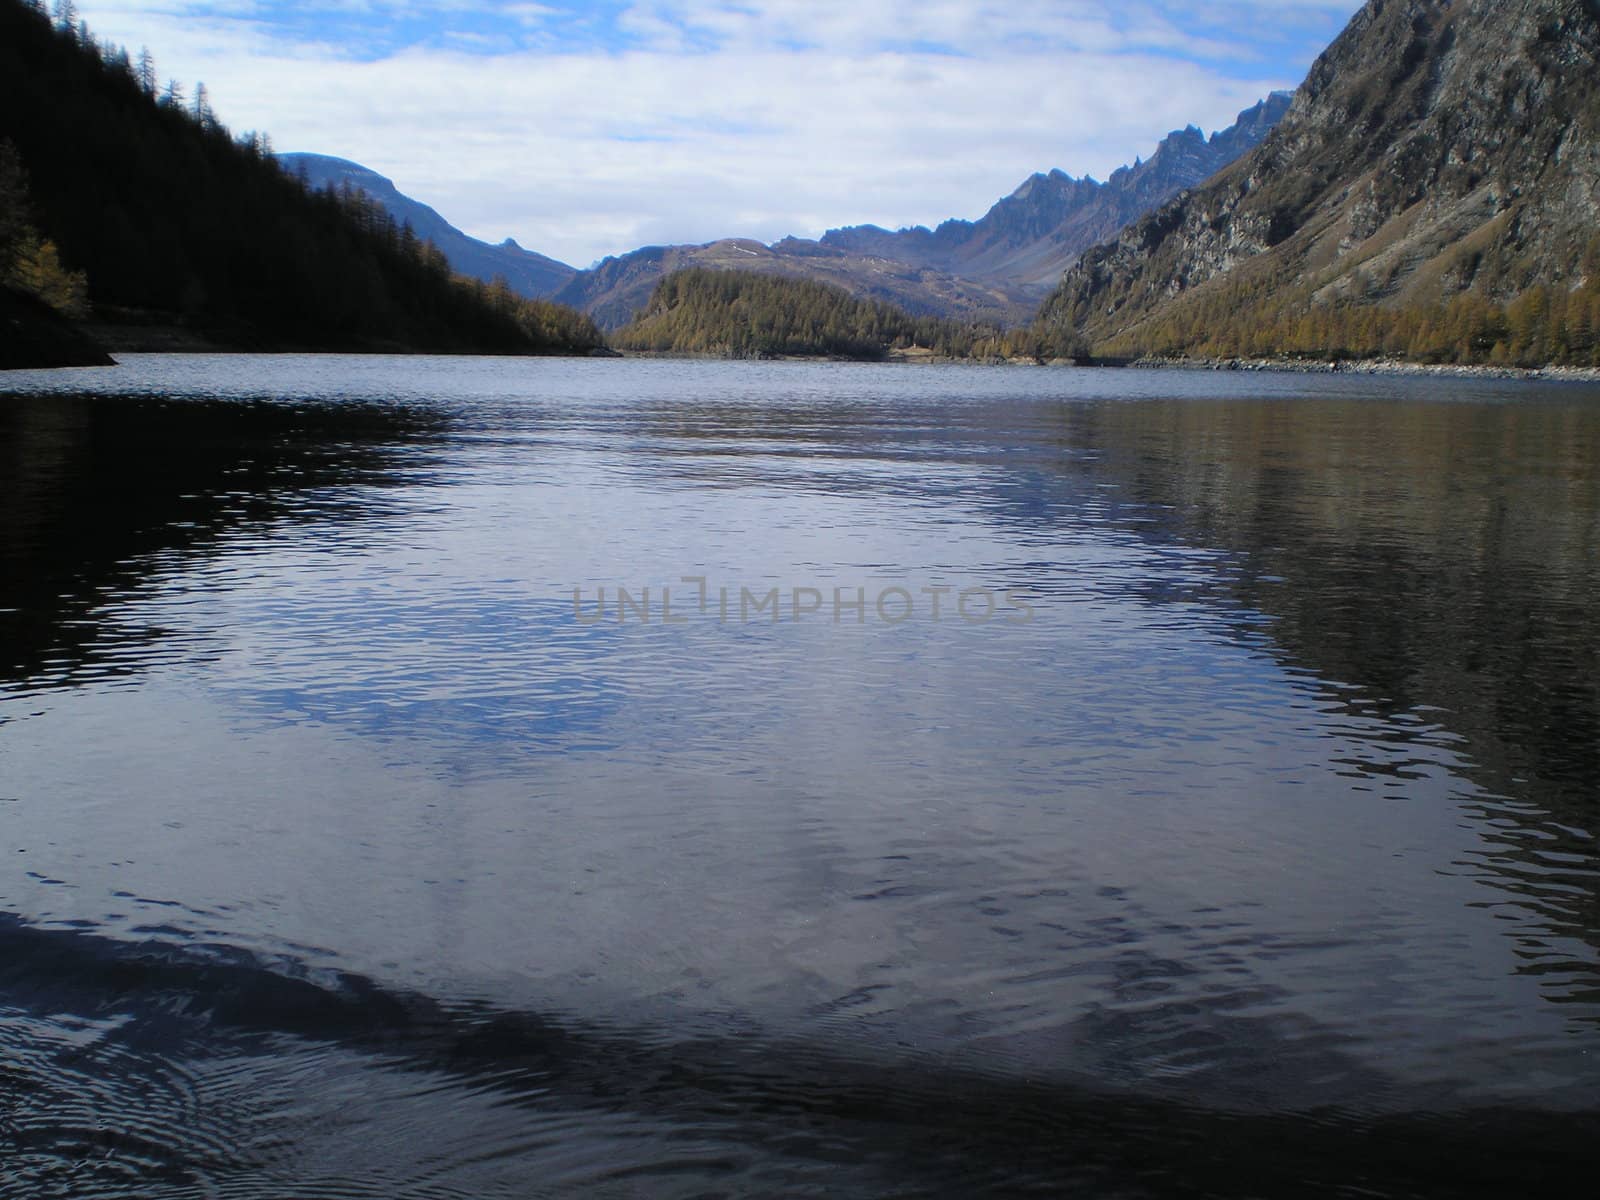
pixel 1488 316
pixel 1542 325
pixel 145 190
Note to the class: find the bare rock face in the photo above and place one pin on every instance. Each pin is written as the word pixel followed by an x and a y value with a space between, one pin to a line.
pixel 1437 145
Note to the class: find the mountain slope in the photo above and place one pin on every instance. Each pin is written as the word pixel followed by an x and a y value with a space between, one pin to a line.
pixel 528 274
pixel 1039 230
pixel 169 215
pixel 1440 164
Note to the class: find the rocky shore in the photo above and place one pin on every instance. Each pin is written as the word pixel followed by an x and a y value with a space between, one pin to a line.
pixel 34 335
pixel 1372 366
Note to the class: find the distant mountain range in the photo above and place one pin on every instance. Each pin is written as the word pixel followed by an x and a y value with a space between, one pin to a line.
pixel 615 290
pixel 529 274
pixel 998 268
pixel 1434 191
pixel 1032 236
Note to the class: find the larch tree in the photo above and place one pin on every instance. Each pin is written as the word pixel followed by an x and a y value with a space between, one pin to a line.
pixel 202 106
pixel 147 71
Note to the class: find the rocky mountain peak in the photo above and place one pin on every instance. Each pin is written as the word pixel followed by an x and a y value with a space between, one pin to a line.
pixel 1437 146
pixel 1028 238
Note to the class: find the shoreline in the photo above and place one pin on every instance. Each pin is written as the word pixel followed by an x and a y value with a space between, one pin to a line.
pixel 1393 367
pixel 165 340
pixel 33 336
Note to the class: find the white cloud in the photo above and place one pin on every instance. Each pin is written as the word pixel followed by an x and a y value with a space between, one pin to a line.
pixel 714 124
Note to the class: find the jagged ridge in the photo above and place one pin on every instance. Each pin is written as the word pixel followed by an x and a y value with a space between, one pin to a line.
pixel 996 269
pixel 1031 236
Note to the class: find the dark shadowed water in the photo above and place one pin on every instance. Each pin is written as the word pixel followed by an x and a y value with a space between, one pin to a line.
pixel 1229 830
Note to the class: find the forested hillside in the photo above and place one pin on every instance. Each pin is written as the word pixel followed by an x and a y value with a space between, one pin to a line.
pixel 167 213
pixel 741 314
pixel 1251 318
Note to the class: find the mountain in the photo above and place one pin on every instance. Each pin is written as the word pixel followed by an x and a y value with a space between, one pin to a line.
pixel 616 289
pixel 1433 191
pixel 528 274
pixel 1030 237
pixel 996 269
pixel 175 221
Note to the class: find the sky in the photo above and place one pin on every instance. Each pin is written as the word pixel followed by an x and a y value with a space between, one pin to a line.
pixel 589 129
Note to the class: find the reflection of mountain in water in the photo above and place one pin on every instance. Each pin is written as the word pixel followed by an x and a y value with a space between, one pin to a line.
pixel 99 493
pixel 1440 556
pixel 1432 564
pixel 1442 559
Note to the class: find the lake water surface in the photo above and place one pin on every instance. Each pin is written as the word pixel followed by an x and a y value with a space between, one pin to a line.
pixel 1229 829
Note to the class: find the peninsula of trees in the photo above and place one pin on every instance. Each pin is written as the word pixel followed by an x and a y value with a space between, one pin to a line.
pixel 742 314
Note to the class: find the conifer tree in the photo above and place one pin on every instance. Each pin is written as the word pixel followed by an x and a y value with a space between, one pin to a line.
pixel 201 109
pixel 147 71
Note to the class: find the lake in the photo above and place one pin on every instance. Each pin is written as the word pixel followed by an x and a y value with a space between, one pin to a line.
pixel 498 777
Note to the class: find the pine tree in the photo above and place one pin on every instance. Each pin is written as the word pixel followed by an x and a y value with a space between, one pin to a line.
pixel 147 71
pixel 201 109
